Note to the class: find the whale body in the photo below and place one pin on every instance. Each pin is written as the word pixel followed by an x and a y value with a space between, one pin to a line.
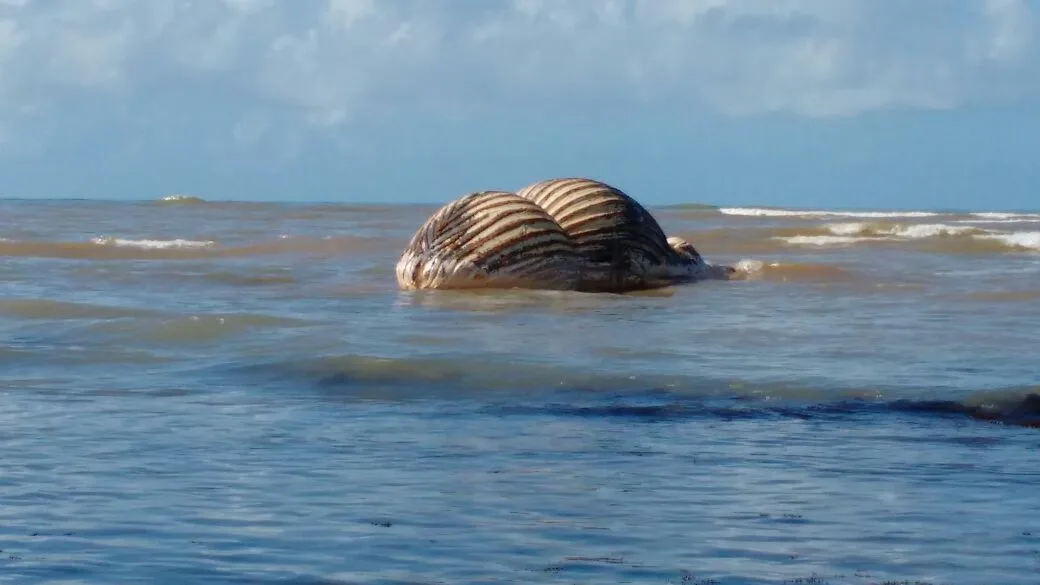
pixel 559 234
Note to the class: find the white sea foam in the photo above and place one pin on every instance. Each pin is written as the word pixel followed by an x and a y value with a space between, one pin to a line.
pixel 824 240
pixel 767 212
pixel 855 232
pixel 996 221
pixel 848 229
pixel 1022 240
pixel 909 231
pixel 749 266
pixel 151 244
pixel 1007 215
pixel 181 199
pixel 930 230
pixel 980 216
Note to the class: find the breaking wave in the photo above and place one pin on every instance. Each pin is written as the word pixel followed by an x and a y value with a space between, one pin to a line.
pixel 979 217
pixel 181 200
pixel 1016 240
pixel 151 244
pixel 964 238
pixel 773 212
pixel 998 221
pixel 908 231
pixel 825 240
pixel 1002 216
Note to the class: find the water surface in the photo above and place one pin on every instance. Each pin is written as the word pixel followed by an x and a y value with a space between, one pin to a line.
pixel 206 392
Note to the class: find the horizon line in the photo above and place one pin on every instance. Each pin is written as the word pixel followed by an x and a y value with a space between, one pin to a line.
pixel 677 206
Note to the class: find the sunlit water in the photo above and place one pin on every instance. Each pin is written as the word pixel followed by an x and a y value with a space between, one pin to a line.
pixel 197 392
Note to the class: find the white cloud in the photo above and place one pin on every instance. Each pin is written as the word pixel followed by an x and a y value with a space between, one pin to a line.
pixel 325 62
pixel 1010 31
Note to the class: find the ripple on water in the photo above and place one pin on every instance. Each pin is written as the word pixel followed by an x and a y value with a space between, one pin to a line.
pixel 45 309
pixel 822 422
pixel 195 329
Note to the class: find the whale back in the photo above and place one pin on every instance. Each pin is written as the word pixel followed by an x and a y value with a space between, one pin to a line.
pixel 489 239
pixel 622 244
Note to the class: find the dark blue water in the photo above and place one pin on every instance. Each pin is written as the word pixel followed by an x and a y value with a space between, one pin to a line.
pixel 268 409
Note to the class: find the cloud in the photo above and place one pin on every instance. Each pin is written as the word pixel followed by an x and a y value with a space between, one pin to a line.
pixel 324 63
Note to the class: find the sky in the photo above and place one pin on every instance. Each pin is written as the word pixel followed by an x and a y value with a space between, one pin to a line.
pixel 798 103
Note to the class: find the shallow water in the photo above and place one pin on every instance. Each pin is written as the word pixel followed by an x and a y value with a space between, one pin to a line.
pixel 237 393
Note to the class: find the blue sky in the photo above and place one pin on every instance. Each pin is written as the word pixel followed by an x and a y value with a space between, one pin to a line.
pixel 837 103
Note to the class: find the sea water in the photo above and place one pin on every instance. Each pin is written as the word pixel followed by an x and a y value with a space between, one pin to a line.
pixel 208 392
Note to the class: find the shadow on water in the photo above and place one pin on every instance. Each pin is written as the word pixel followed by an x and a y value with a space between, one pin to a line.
pixel 511 389
pixel 496 301
pixel 1024 413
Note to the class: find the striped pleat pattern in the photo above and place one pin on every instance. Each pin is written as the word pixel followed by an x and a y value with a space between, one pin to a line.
pixel 622 244
pixel 489 239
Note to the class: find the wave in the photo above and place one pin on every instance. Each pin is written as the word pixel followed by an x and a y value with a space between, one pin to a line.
pixel 1024 411
pixel 774 212
pixel 508 388
pixel 825 240
pixel 908 231
pixel 114 248
pixel 958 238
pixel 1015 240
pixel 151 244
pixel 181 200
pixel 1002 215
pixel 998 221
pixel 980 216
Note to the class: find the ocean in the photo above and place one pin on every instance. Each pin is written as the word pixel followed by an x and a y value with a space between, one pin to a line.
pixel 228 392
